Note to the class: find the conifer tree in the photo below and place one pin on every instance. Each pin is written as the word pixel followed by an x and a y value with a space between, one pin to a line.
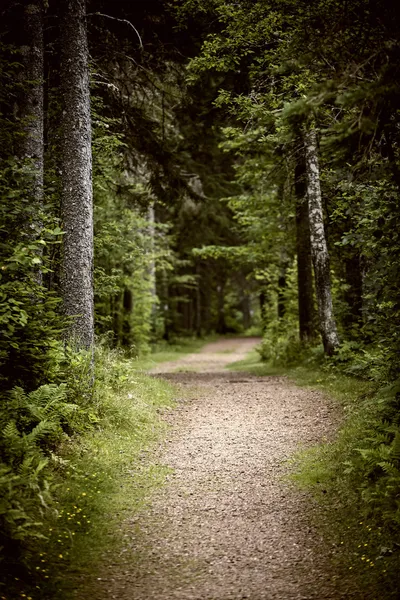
pixel 76 166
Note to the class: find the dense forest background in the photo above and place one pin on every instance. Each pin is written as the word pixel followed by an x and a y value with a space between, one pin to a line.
pixel 191 167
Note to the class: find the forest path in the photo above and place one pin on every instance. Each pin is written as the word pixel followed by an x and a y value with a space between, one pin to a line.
pixel 227 526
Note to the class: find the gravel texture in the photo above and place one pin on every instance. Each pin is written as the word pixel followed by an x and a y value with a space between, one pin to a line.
pixel 228 525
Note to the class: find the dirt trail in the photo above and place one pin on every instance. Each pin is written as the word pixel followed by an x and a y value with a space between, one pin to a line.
pixel 227 526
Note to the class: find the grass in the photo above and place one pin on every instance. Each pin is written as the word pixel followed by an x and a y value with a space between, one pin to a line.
pixel 366 549
pixel 166 352
pixel 102 475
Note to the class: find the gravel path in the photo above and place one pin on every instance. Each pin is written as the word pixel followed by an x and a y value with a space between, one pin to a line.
pixel 227 525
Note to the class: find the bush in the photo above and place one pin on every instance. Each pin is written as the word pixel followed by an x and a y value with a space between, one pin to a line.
pixel 282 350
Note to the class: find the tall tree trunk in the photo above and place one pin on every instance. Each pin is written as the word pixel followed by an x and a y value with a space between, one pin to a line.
pixel 304 261
pixel 282 285
pixel 263 298
pixel 221 325
pixel 353 295
pixel 126 325
pixel 29 111
pixel 198 304
pixel 246 311
pixel 152 266
pixel 76 165
pixel 319 247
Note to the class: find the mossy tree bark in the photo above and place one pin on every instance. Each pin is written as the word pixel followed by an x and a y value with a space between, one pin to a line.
pixel 319 247
pixel 76 165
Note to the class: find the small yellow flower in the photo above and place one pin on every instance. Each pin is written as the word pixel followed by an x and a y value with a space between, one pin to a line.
pixel 60 556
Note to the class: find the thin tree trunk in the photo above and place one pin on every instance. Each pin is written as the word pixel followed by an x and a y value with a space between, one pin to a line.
pixel 152 267
pixel 76 164
pixel 319 247
pixel 198 304
pixel 304 261
pixel 282 284
pixel 263 298
pixel 29 110
pixel 353 295
pixel 246 311
pixel 221 325
pixel 126 326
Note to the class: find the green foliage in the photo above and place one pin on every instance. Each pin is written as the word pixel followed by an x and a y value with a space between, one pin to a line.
pixel 281 349
pixel 31 428
pixel 29 317
pixel 57 486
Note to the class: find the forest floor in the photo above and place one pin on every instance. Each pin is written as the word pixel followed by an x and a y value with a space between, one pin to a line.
pixel 228 524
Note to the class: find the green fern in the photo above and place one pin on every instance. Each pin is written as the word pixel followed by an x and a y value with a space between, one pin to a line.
pixel 395 448
pixel 10 433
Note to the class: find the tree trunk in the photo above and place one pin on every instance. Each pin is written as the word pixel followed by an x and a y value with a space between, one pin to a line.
pixel 282 285
pixel 263 298
pixel 221 325
pixel 319 247
pixel 353 295
pixel 29 111
pixel 152 267
pixel 304 261
pixel 198 304
pixel 126 326
pixel 246 311
pixel 76 165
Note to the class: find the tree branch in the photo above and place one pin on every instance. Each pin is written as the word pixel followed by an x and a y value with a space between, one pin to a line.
pixel 121 20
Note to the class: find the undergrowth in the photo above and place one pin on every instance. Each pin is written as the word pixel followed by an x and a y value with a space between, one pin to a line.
pixel 73 459
pixel 356 477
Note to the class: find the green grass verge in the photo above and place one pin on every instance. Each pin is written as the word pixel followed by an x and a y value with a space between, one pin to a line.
pixel 101 475
pixel 367 549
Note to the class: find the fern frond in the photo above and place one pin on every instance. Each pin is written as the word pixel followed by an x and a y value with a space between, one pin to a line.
pixel 10 433
pixel 41 430
pixel 395 448
pixel 48 393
